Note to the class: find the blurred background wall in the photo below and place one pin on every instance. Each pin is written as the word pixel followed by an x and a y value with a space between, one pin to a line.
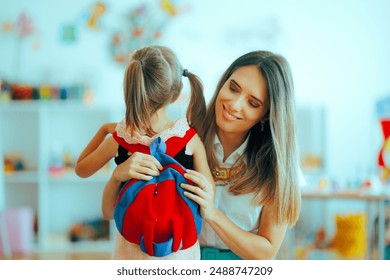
pixel 338 52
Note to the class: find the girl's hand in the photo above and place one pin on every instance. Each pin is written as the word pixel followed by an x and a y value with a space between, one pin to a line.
pixel 138 166
pixel 202 194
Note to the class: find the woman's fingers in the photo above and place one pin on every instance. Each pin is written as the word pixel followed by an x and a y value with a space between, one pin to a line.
pixel 198 179
pixel 193 189
pixel 197 199
pixel 194 193
pixel 203 197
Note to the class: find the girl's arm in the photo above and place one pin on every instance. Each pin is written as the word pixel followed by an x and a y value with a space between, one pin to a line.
pixel 100 135
pixel 97 153
pixel 200 159
pixel 263 245
pixel 110 194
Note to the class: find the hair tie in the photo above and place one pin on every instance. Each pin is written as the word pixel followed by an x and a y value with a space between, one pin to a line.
pixel 142 63
pixel 185 72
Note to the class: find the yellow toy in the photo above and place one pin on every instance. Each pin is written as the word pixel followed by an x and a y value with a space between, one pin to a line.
pixel 350 240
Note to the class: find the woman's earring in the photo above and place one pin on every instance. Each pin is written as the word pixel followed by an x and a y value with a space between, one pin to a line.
pixel 262 126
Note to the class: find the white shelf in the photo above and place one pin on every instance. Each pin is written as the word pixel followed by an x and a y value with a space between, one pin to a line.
pixel 39 131
pixel 28 176
pixel 36 105
pixel 71 177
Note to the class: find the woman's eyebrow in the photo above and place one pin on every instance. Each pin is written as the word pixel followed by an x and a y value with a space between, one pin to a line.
pixel 235 83
pixel 258 100
pixel 254 97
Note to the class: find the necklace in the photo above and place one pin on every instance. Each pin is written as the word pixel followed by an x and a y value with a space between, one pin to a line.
pixel 225 176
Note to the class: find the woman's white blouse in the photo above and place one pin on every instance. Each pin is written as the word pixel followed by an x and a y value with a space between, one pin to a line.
pixel 238 208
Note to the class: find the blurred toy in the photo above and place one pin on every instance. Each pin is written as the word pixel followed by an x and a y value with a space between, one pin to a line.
pixel 351 235
pixel 89 230
pixel 44 92
pixel 323 183
pixel 18 91
pixel 56 168
pixel 316 247
pixel 88 96
pixel 60 163
pixel 68 162
pixel 13 162
pixel 311 162
pixel 5 91
pixel 21 92
pixel 320 241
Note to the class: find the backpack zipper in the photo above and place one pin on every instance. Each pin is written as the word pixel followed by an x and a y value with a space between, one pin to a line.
pixel 155 189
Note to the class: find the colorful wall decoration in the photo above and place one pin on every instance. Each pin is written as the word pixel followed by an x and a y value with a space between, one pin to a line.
pixel 97 11
pixel 21 28
pixel 383 112
pixel 142 25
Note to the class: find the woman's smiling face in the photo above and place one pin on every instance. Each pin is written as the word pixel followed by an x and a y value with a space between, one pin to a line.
pixel 242 101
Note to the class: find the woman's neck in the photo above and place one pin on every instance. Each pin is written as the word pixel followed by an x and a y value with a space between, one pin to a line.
pixel 230 142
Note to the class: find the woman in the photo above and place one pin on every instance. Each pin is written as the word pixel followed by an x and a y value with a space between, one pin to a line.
pixel 250 143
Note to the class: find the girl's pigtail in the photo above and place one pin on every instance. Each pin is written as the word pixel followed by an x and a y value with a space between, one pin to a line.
pixel 137 109
pixel 196 110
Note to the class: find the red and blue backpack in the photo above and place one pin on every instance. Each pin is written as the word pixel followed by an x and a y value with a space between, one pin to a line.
pixel 156 214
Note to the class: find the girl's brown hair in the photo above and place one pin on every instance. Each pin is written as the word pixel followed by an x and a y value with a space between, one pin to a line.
pixel 153 79
pixel 197 106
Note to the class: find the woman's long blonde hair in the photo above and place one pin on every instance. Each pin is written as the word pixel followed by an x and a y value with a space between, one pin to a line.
pixel 271 154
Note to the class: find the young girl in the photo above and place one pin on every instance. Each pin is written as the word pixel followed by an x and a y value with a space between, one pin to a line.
pixel 152 81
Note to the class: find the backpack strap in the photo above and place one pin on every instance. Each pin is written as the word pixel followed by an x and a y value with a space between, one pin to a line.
pixel 174 144
pixel 131 147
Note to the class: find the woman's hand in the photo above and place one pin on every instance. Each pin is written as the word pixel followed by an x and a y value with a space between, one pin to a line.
pixel 138 166
pixel 202 194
